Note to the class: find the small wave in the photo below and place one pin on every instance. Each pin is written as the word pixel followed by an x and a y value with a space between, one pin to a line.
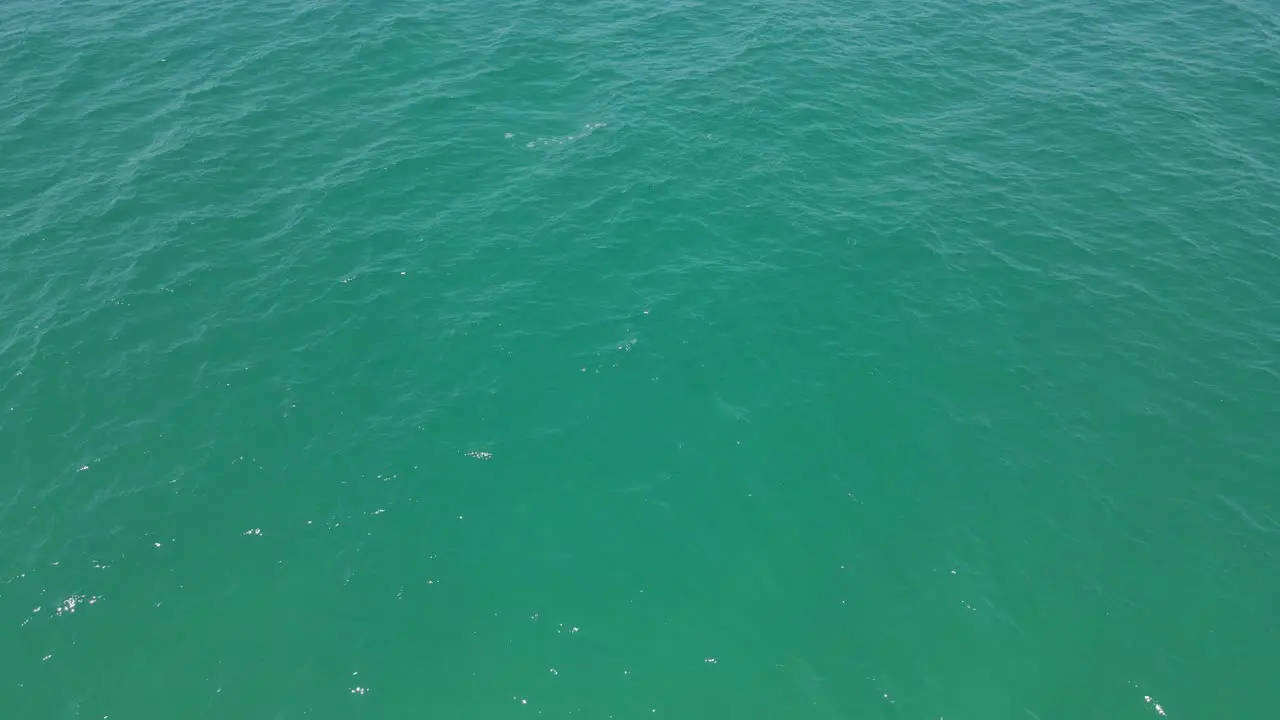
pixel 561 139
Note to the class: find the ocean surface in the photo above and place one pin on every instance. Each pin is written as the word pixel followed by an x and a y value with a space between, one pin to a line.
pixel 615 359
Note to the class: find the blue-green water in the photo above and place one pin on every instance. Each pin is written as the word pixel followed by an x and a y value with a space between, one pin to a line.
pixel 616 359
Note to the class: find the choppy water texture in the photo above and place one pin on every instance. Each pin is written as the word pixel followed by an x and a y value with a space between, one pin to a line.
pixel 617 359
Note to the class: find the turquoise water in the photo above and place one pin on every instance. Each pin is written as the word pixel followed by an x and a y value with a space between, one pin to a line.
pixel 620 360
